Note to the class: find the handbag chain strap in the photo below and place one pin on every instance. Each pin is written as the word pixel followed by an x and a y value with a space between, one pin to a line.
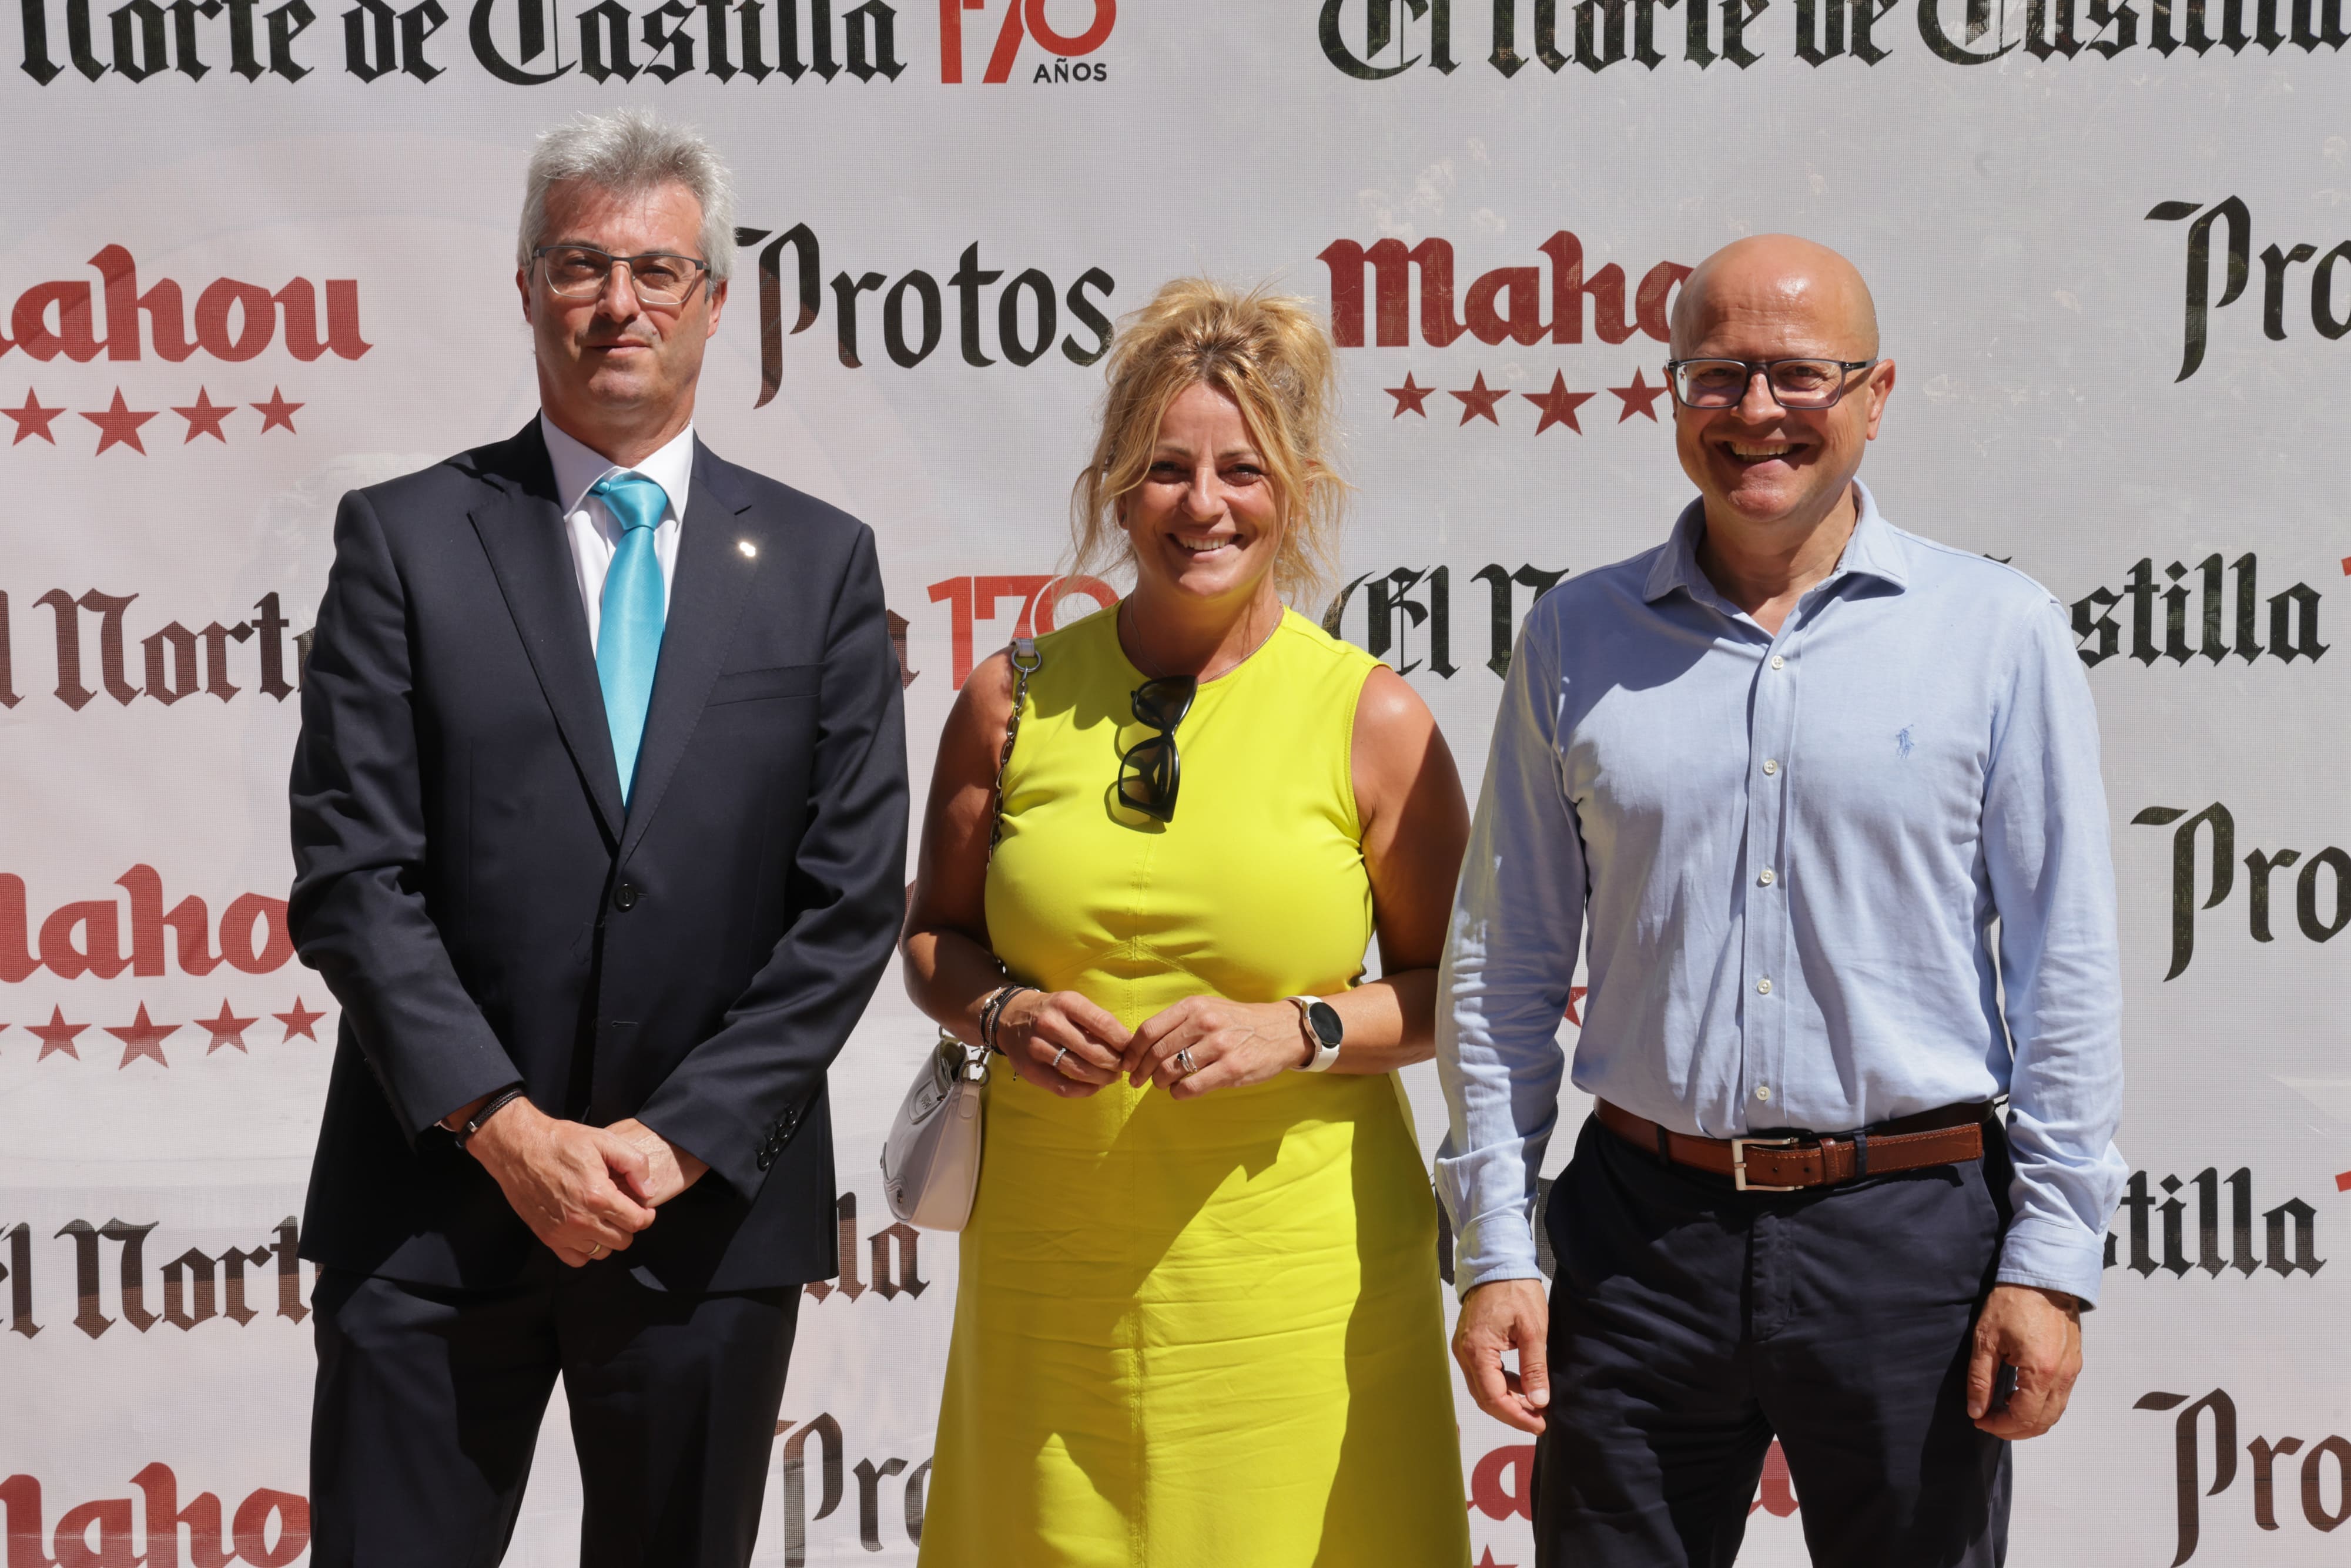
pixel 1026 661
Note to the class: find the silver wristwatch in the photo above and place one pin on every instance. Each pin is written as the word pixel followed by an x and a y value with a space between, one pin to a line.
pixel 1322 1028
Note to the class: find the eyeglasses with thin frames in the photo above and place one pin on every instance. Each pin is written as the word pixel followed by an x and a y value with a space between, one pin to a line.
pixel 1805 383
pixel 1151 772
pixel 660 277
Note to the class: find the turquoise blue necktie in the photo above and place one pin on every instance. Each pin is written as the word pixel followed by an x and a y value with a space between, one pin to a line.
pixel 628 640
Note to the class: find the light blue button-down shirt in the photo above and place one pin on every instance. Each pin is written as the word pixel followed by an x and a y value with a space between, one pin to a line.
pixel 1830 877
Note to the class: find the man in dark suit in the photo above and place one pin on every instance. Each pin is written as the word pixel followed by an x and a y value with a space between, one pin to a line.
pixel 598 819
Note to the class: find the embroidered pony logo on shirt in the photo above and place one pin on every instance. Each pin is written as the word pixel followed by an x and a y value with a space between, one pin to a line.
pixel 1903 744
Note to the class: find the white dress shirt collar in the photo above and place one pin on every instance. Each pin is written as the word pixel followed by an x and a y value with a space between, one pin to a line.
pixel 591 533
pixel 578 465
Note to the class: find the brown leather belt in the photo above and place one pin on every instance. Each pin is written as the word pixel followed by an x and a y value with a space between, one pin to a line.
pixel 1798 1160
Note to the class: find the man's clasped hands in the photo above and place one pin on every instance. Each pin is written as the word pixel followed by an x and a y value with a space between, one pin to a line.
pixel 585 1191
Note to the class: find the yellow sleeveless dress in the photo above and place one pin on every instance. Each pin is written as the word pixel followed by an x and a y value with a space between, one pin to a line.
pixel 1203 1333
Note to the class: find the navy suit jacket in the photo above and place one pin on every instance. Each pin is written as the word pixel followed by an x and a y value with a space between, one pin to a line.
pixel 485 909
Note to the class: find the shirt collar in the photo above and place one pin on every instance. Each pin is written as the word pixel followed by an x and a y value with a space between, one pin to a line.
pixel 1677 563
pixel 578 467
pixel 1874 550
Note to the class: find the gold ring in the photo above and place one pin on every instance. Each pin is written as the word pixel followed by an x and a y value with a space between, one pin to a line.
pixel 596 1251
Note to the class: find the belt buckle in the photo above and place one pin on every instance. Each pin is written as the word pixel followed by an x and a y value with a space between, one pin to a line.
pixel 1739 1148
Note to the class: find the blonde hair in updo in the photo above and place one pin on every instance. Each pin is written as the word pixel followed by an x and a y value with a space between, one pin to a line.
pixel 1269 353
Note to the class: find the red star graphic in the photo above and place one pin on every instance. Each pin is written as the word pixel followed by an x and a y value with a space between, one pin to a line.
pixel 1410 398
pixel 1487 1560
pixel 1574 995
pixel 227 1030
pixel 299 1021
pixel 1639 397
pixel 141 1038
pixel 33 419
pixel 1479 402
pixel 1559 404
pixel 205 416
pixel 276 411
pixel 119 425
pixel 55 1035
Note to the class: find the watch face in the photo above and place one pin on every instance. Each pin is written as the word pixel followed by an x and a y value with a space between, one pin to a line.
pixel 1327 1027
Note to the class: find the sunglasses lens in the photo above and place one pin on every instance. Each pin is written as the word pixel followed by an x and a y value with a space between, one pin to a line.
pixel 1162 704
pixel 1148 777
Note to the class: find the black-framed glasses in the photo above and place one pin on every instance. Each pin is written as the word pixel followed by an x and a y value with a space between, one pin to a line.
pixel 1794 384
pixel 1151 772
pixel 660 277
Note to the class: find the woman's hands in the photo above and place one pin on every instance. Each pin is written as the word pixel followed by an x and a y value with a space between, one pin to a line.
pixel 1230 1044
pixel 1068 1046
pixel 1061 1042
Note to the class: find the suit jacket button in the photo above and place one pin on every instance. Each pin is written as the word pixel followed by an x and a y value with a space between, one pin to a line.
pixel 766 1159
pixel 625 897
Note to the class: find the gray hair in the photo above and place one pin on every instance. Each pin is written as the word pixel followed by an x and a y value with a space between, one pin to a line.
pixel 627 151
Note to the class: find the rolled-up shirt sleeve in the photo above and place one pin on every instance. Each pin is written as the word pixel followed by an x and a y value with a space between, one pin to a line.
pixel 1518 920
pixel 2048 858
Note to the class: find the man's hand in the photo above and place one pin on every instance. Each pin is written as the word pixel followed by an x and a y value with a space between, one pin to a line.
pixel 1498 1317
pixel 567 1180
pixel 669 1170
pixel 2039 1333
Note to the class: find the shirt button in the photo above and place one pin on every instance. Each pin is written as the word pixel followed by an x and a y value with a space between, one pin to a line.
pixel 1770 766
pixel 1763 988
pixel 1763 1092
pixel 1766 877
pixel 1777 662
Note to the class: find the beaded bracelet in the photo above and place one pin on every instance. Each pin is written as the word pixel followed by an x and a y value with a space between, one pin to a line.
pixel 988 1007
pixel 993 1009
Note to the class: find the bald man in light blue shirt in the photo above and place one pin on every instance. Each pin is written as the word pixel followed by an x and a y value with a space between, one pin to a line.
pixel 1823 797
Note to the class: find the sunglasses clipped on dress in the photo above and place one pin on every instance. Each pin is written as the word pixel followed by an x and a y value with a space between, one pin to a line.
pixel 1151 772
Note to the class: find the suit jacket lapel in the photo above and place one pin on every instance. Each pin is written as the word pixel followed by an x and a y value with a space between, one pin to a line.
pixel 705 597
pixel 521 530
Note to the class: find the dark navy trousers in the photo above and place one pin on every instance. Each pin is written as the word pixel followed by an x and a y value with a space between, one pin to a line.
pixel 1692 1323
pixel 429 1400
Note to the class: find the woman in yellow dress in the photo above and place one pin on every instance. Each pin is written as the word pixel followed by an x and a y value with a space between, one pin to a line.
pixel 1198 1320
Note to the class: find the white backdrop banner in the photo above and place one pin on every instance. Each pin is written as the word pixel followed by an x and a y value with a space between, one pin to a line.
pixel 256 252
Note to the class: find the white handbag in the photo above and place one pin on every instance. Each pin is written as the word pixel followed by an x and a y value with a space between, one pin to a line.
pixel 930 1161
